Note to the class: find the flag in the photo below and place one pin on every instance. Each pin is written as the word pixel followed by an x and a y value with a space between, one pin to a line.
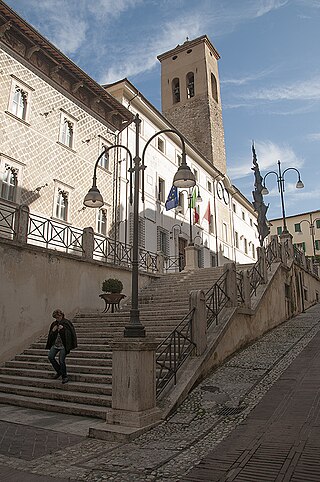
pixel 193 199
pixel 207 214
pixel 172 200
pixel 196 216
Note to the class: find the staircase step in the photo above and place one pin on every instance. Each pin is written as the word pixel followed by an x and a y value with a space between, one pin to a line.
pixel 78 374
pixel 50 383
pixel 73 368
pixel 54 406
pixel 64 393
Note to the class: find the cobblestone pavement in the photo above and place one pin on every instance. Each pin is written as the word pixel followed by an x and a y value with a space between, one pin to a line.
pixel 201 439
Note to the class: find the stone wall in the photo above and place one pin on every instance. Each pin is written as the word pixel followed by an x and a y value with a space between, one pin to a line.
pixel 35 281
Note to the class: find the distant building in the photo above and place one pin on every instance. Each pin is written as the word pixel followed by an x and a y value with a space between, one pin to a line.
pixel 55 120
pixel 305 229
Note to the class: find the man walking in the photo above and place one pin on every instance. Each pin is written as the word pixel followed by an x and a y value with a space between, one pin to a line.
pixel 62 339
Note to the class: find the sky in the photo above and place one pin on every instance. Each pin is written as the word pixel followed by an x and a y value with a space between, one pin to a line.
pixel 269 72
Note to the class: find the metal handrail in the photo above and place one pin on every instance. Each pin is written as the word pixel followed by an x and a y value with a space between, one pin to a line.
pixel 7 221
pixel 54 234
pixel 240 288
pixel 173 352
pixel 216 299
pixel 255 277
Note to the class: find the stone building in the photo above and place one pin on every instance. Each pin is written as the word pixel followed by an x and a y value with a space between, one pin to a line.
pixel 56 120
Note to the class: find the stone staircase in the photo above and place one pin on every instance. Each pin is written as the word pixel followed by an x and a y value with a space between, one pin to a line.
pixel 27 379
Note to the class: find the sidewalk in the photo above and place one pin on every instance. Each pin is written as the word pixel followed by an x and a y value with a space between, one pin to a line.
pixel 254 419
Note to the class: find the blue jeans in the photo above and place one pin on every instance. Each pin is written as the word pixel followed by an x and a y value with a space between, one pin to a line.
pixel 61 366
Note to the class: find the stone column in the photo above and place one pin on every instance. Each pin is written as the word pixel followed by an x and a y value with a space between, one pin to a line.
pixel 88 243
pixel 191 254
pixel 160 262
pixel 133 383
pixel 21 224
pixel 197 300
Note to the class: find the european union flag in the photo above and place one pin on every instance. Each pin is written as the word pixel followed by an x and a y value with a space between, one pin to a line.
pixel 172 200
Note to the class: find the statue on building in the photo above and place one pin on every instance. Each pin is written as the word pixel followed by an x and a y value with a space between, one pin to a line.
pixel 258 204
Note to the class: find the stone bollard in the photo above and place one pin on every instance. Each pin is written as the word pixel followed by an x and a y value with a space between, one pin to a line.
pixel 133 383
pixel 88 243
pixel 197 300
pixel 21 222
pixel 160 262
pixel 191 254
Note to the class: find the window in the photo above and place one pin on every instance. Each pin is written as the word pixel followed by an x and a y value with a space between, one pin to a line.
pixel 105 159
pixel 245 243
pixel 163 240
pixel 102 217
pixel 190 85
pixel 209 186
pixel 279 230
pixel 62 204
pixel 67 131
pixel 214 87
pixel 236 239
pixel 175 91
pixel 225 232
pixel 9 183
pixel 196 174
pixel 141 231
pixel 250 221
pixel 318 223
pixel 179 159
pixel 317 244
pixel 161 189
pixel 243 215
pixel 181 202
pixel 301 246
pixel 297 228
pixel 234 207
pixel 161 144
pixel 253 251
pixel 20 97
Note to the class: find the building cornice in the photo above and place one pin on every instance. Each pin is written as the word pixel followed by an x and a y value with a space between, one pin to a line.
pixel 35 50
pixel 189 44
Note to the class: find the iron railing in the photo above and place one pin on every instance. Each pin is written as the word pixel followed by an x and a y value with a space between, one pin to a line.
pixel 240 288
pixel 216 299
pixel 272 252
pixel 51 234
pixel 255 276
pixel 7 221
pixel 111 251
pixel 298 255
pixel 173 352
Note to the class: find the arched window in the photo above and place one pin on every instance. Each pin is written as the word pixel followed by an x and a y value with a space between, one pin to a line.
pixel 175 90
pixel 214 87
pixel 190 85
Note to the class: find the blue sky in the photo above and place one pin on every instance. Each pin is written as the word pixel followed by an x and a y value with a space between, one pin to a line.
pixel 269 71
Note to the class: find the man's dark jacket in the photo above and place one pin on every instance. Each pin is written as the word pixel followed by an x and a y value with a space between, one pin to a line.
pixel 68 335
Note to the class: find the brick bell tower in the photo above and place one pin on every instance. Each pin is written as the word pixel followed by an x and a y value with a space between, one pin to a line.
pixel 190 93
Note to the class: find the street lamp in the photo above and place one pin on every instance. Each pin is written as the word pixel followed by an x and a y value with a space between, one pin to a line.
pixel 280 181
pixel 198 199
pixel 184 178
pixel 312 232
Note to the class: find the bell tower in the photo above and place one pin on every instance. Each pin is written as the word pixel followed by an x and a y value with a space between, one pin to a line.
pixel 190 93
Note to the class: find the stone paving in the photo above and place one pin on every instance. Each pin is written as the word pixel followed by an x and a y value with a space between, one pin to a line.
pixel 167 453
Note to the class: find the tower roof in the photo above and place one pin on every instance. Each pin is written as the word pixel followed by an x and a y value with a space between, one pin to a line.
pixel 189 44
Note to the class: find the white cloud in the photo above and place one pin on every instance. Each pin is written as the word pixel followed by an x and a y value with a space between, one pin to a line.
pixel 303 90
pixel 314 137
pixel 249 78
pixel 268 154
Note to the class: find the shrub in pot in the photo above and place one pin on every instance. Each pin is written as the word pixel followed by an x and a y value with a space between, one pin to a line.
pixel 112 285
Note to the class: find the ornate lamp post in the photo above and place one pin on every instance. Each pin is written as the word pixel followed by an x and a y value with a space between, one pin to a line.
pixel 280 180
pixel 312 232
pixel 183 178
pixel 190 194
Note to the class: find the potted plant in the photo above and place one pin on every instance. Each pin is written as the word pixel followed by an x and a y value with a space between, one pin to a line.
pixel 112 285
pixel 112 295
